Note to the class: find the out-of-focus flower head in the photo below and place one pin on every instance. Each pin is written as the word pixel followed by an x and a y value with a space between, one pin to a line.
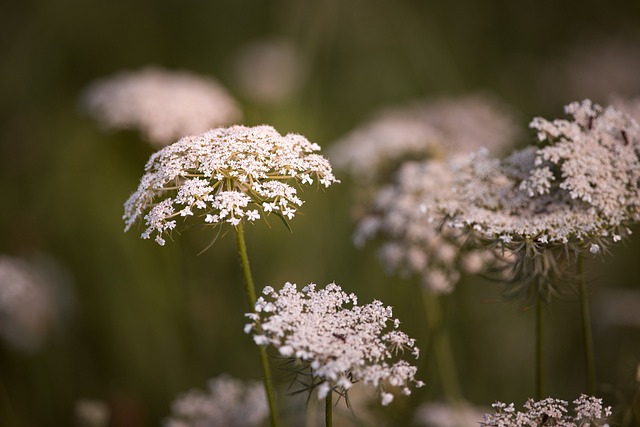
pixel 269 71
pixel 228 402
pixel 163 105
pixel 27 304
pixel 225 175
pixel 587 411
pixel 435 129
pixel 404 217
pixel 340 341
pixel 441 414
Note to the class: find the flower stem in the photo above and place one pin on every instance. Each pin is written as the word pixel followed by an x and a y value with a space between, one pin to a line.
pixel 586 330
pixel 441 346
pixel 251 296
pixel 539 347
pixel 328 409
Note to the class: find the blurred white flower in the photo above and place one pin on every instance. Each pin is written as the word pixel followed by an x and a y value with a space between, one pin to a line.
pixel 341 345
pixel 587 411
pixel 91 413
pixel 404 217
pixel 441 414
pixel 228 402
pixel 27 304
pixel 269 71
pixel 163 105
pixel 423 130
pixel 225 175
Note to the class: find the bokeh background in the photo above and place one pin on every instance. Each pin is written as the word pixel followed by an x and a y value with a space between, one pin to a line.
pixel 137 324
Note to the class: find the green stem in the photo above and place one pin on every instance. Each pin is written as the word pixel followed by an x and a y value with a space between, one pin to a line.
pixel 328 409
pixel 441 346
pixel 586 330
pixel 251 296
pixel 539 348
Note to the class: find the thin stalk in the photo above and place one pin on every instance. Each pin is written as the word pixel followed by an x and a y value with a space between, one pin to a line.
pixel 251 296
pixel 441 346
pixel 589 358
pixel 328 409
pixel 539 347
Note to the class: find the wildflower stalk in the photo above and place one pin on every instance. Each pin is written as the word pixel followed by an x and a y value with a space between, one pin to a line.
pixel 539 346
pixel 441 346
pixel 251 295
pixel 586 330
pixel 328 409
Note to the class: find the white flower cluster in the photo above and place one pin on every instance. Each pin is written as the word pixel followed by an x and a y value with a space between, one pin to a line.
pixel 163 105
pixel 580 190
pixel 341 345
pixel 423 130
pixel 404 215
pixel 228 403
pixel 225 175
pixel 587 411
pixel 27 304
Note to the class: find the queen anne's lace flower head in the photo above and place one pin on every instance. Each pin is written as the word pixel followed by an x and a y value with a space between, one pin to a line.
pixel 403 215
pixel 587 411
pixel 163 105
pixel 578 193
pixel 423 130
pixel 227 403
pixel 225 175
pixel 341 345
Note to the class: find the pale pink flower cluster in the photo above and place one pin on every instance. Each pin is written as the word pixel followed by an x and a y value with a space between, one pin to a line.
pixel 405 217
pixel 164 105
pixel 225 175
pixel 587 412
pixel 433 129
pixel 228 402
pixel 27 304
pixel 579 190
pixel 342 342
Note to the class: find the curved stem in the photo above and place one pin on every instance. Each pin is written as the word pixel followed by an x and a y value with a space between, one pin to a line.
pixel 328 409
pixel 441 346
pixel 586 330
pixel 539 347
pixel 251 296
